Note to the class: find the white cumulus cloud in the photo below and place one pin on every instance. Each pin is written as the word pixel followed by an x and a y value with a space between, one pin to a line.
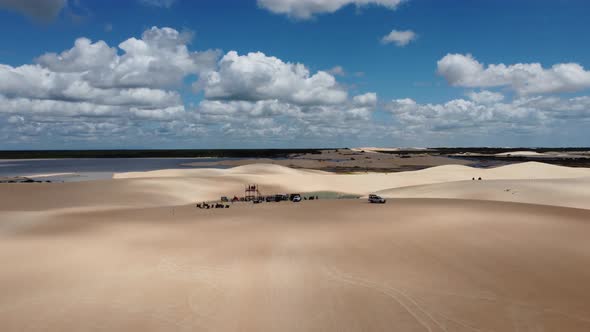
pixel 248 88
pixel 524 78
pixel 255 76
pixel 399 37
pixel 93 79
pixel 485 97
pixel 306 9
pixel 482 116
pixel 367 99
pixel 159 59
pixel 96 92
pixel 293 110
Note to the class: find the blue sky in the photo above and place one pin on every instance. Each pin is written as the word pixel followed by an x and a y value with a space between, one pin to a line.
pixel 422 91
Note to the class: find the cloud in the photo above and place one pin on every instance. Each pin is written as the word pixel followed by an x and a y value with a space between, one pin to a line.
pixel 217 110
pixel 367 99
pixel 43 10
pixel 337 71
pixel 485 97
pixel 484 118
pixel 272 120
pixel 93 80
pixel 95 92
pixel 239 111
pixel 159 59
pixel 245 89
pixel 458 113
pixel 255 76
pixel 158 3
pixel 400 38
pixel 307 9
pixel 523 78
pixel 54 108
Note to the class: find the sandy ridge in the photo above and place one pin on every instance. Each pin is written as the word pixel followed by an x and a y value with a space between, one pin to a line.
pixel 186 186
pixel 509 252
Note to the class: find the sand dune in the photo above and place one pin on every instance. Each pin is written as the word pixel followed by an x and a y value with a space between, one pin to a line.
pixel 134 253
pixel 376 149
pixel 48 175
pixel 528 170
pixel 186 186
pixel 287 179
pixel 559 192
pixel 519 153
pixel 417 265
pixel 343 162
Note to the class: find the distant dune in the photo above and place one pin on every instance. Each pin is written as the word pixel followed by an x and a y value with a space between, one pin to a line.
pixel 186 186
pixel 519 153
pixel 560 192
pixel 298 180
pixel 346 161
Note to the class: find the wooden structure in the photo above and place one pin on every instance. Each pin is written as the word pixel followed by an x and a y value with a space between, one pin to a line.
pixel 251 193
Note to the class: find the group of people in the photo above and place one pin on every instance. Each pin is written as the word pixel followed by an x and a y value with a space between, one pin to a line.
pixel 212 206
pixel 224 200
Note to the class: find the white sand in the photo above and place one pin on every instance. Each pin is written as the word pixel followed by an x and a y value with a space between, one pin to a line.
pixel 376 149
pixel 228 182
pixel 128 255
pixel 187 186
pixel 519 154
pixel 416 265
pixel 573 193
pixel 48 175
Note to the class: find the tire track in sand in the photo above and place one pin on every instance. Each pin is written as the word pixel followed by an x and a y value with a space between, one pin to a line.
pixel 422 316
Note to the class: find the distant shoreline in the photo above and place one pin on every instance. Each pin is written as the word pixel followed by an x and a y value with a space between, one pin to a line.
pixel 259 153
pixel 181 153
pixel 344 160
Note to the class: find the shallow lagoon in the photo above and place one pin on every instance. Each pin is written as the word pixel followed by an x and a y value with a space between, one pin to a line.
pixel 92 168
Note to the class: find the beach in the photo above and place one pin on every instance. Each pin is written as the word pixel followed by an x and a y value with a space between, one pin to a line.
pixel 508 252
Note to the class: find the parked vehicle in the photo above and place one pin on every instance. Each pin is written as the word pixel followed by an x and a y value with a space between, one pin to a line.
pixel 376 199
pixel 224 199
pixel 295 198
pixel 292 196
pixel 281 197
